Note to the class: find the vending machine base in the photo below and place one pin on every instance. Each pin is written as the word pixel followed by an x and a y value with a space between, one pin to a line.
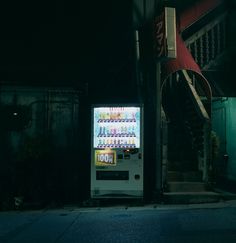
pixel 116 194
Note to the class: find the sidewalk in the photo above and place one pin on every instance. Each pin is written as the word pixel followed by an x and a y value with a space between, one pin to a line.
pixel 70 223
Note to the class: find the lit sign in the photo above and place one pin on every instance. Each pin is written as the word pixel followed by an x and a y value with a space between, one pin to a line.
pixel 105 157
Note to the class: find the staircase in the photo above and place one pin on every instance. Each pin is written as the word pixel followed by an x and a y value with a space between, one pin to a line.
pixel 188 147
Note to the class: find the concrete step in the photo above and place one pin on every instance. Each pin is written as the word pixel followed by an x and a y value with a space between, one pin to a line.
pixel 190 176
pixel 226 195
pixel 191 197
pixel 186 186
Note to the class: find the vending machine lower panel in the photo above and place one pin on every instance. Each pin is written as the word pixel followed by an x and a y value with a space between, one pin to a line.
pixel 124 178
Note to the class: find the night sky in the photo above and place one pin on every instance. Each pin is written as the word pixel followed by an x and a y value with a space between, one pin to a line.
pixel 64 41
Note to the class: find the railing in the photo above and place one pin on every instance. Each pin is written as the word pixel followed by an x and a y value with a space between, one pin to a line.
pixel 198 123
pixel 209 42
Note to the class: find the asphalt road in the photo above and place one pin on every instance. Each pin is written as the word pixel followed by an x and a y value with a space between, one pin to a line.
pixel 153 223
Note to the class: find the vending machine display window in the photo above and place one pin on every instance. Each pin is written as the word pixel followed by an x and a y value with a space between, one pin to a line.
pixel 116 127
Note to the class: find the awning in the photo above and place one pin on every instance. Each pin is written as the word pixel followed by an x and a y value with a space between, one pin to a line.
pixel 187 17
pixel 196 11
pixel 184 61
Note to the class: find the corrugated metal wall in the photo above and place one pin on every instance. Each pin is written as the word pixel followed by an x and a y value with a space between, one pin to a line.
pixel 40 160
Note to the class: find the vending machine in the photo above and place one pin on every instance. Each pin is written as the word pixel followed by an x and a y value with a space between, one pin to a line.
pixel 117 152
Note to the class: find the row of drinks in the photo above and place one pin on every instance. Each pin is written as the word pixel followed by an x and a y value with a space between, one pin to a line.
pixel 116 143
pixel 116 131
pixel 112 121
pixel 116 116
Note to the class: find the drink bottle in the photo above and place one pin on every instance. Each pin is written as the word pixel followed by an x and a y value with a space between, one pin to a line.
pixel 107 131
pixel 110 132
pixel 122 131
pixel 122 115
pixel 118 115
pixel 118 131
pixel 125 131
pixel 100 132
pixel 133 116
pixel 130 131
pixel 133 131
pixel 115 116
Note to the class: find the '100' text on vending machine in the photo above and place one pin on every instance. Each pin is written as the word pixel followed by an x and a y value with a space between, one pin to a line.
pixel 117 152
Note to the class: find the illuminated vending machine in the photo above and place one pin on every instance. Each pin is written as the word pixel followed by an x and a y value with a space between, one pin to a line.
pixel 117 152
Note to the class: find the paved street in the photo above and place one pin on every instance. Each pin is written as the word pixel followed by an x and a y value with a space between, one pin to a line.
pixel 151 223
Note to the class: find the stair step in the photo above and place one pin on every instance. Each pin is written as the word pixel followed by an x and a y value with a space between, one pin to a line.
pixel 190 176
pixel 177 186
pixel 182 166
pixel 174 176
pixel 191 197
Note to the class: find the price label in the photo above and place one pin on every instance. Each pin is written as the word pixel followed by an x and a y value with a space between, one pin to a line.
pixel 105 157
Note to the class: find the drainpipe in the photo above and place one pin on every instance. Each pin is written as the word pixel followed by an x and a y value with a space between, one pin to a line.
pixel 137 66
pixel 158 168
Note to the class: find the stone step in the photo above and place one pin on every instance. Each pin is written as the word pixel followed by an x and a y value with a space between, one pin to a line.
pixel 190 176
pixel 177 186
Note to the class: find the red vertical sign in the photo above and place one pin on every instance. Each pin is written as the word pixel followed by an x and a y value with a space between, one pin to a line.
pixel 160 46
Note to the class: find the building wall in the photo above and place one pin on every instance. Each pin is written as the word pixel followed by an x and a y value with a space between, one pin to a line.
pixel 224 124
pixel 44 154
pixel 231 138
pixel 54 112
